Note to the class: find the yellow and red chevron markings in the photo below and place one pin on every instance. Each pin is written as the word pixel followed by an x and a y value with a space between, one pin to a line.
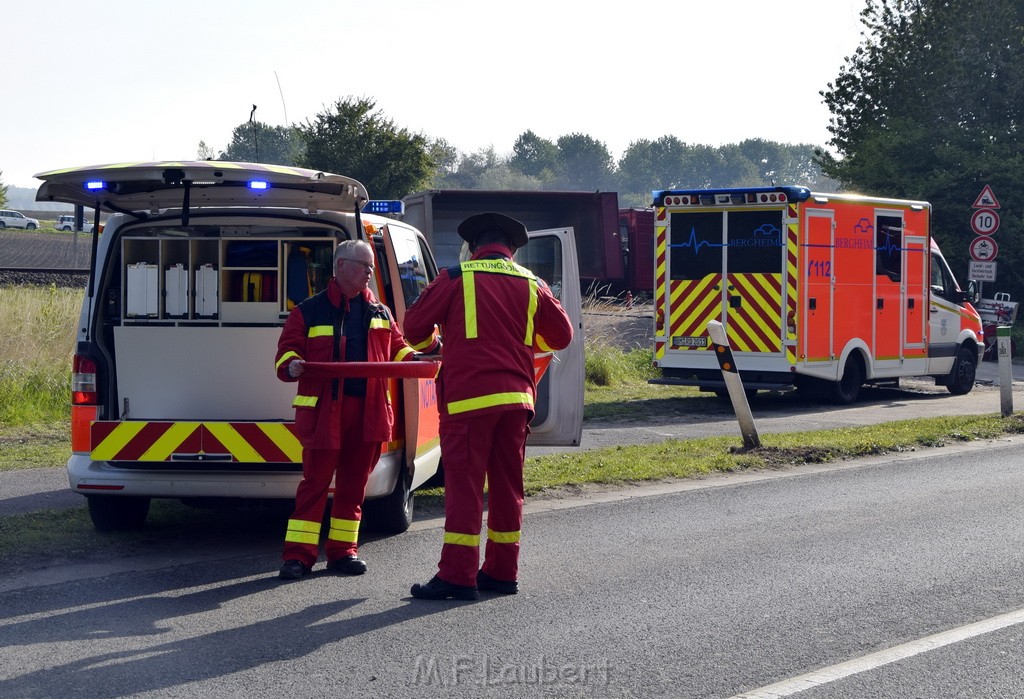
pixel 250 442
pixel 792 272
pixel 755 325
pixel 694 302
pixel 661 278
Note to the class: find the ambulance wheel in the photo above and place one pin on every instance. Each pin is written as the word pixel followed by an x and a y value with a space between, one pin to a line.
pixel 391 514
pixel 847 389
pixel 965 366
pixel 112 513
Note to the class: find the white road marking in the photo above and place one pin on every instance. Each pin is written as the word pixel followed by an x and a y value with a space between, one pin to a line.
pixel 883 657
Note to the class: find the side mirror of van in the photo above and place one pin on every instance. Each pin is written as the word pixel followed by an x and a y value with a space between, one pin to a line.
pixel 972 295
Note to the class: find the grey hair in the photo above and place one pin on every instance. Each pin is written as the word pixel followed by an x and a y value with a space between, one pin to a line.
pixel 346 248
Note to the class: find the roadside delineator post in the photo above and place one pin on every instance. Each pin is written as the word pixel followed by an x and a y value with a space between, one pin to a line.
pixel 1005 370
pixel 733 382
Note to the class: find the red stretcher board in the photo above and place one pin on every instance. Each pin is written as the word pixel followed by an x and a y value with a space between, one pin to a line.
pixel 371 370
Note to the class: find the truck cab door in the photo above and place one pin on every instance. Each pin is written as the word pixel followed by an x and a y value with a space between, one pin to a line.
pixel 551 255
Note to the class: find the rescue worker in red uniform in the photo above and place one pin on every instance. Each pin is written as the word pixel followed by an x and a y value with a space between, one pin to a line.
pixel 341 423
pixel 493 315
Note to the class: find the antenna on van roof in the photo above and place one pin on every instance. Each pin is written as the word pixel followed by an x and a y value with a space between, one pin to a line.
pixel 255 137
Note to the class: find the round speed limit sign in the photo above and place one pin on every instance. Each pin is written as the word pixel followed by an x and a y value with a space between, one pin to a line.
pixel 985 221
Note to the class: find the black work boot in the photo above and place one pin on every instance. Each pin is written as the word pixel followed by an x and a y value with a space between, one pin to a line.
pixel 293 570
pixel 439 589
pixel 349 565
pixel 485 583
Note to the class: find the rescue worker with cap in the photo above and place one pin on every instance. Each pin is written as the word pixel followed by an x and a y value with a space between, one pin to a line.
pixel 493 315
pixel 341 423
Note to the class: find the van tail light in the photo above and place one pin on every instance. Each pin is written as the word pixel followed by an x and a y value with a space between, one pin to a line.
pixel 83 403
pixel 83 381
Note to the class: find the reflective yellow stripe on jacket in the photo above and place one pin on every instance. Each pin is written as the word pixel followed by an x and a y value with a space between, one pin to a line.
pixel 304 401
pixel 507 267
pixel 490 401
pixel 287 357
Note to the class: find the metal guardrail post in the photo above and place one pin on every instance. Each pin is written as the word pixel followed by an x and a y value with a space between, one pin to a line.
pixel 731 375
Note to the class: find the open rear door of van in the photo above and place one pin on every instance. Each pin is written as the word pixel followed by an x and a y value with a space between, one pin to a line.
pixel 551 255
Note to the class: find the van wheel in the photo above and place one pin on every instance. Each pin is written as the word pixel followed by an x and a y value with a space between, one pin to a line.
pixel 391 514
pixel 847 389
pixel 111 513
pixel 961 377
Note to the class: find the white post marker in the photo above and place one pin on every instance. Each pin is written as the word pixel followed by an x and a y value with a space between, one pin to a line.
pixel 1005 370
pixel 720 346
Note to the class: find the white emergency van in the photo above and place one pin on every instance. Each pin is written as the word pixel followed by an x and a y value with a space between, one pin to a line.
pixel 174 393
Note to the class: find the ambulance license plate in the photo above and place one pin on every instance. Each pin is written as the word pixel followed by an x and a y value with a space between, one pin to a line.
pixel 689 341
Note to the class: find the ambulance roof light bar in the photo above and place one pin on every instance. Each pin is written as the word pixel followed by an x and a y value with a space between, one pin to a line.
pixel 384 206
pixel 730 196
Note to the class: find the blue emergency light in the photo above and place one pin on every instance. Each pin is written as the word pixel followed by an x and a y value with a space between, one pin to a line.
pixel 259 184
pixel 384 206
pixel 94 185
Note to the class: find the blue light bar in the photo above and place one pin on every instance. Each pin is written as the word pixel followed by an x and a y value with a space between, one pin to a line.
pixel 95 184
pixel 258 184
pixel 384 206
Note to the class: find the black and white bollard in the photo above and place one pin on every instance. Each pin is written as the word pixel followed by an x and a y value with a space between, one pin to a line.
pixel 733 382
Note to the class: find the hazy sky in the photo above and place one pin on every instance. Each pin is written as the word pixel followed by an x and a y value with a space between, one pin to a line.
pixel 124 80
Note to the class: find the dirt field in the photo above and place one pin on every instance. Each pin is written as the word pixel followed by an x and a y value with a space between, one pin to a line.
pixel 20 248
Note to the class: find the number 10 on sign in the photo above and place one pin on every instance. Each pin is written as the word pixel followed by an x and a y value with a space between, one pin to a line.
pixel 985 221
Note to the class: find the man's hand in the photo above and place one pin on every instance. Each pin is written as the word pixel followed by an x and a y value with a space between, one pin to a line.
pixel 296 367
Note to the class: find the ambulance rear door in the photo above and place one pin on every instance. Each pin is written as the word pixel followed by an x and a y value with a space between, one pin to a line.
pixel 727 264
pixel 551 255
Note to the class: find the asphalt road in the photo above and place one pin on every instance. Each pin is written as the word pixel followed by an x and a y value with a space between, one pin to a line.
pixel 709 588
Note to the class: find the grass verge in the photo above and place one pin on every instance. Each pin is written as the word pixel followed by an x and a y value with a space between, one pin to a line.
pixel 34 446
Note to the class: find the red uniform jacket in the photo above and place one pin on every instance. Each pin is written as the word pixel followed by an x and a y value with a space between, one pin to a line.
pixel 309 334
pixel 493 315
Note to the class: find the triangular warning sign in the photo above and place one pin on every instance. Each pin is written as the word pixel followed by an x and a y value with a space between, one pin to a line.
pixel 986 200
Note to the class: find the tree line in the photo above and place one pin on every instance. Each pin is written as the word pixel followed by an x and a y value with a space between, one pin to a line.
pixel 353 138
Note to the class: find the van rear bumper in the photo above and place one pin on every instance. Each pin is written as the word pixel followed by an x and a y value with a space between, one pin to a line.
pixel 90 477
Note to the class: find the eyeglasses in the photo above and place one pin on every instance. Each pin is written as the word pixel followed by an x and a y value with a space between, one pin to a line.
pixel 366 265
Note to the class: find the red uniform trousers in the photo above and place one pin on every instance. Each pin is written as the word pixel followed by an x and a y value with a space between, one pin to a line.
pixel 349 466
pixel 493 444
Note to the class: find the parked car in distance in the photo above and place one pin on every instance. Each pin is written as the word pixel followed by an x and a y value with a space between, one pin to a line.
pixel 66 222
pixel 16 219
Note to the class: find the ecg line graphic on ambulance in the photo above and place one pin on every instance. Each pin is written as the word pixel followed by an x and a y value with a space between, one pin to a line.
pixel 766 236
pixel 696 244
